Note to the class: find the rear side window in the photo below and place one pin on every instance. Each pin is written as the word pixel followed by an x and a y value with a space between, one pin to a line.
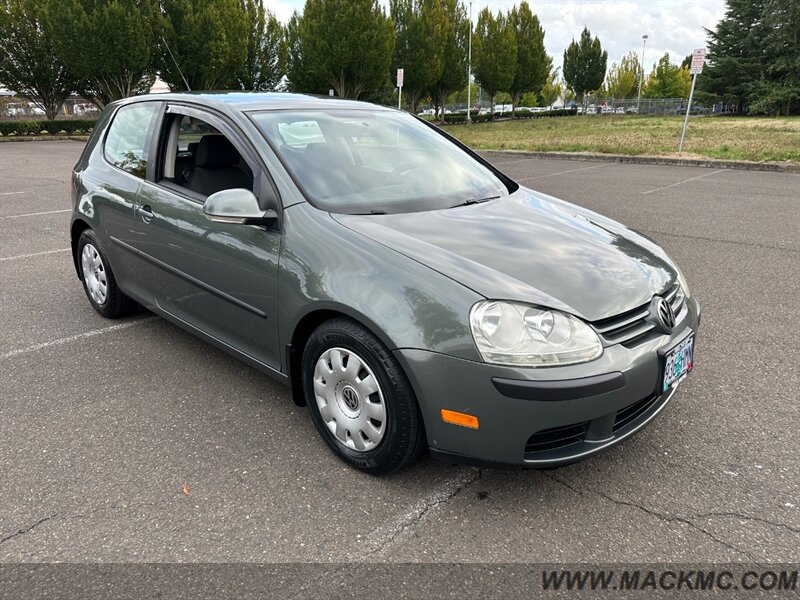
pixel 126 142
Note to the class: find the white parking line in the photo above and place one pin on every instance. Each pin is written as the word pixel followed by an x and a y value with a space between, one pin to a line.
pixel 18 256
pixel 10 193
pixel 565 172
pixel 666 187
pixel 36 214
pixel 72 338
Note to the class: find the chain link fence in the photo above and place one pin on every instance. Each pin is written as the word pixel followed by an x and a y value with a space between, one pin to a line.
pixel 598 105
pixel 650 106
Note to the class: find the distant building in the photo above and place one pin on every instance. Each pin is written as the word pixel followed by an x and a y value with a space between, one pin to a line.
pixel 159 87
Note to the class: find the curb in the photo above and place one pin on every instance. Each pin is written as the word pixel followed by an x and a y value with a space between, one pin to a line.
pixel 43 138
pixel 710 163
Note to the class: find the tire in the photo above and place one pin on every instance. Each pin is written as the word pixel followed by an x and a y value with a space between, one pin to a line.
pixel 98 279
pixel 342 364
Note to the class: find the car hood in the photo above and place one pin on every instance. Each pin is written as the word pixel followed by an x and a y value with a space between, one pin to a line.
pixel 530 247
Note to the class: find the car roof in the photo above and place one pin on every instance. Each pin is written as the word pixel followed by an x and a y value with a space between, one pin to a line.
pixel 252 101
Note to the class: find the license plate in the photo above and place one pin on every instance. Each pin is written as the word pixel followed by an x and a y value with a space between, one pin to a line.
pixel 677 363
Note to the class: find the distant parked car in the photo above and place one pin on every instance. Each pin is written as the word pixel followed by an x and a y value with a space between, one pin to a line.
pixel 84 108
pixel 620 110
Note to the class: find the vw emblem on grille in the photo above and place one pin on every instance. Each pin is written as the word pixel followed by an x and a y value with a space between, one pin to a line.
pixel 350 397
pixel 664 316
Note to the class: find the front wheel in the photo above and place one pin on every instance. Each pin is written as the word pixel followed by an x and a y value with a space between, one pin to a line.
pixel 359 398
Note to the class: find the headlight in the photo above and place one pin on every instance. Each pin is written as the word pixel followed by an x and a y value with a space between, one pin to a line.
pixel 682 281
pixel 510 333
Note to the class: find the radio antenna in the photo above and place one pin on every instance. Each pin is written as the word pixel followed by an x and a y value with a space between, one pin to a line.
pixel 177 66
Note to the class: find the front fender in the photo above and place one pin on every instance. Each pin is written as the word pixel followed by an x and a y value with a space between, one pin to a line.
pixel 325 266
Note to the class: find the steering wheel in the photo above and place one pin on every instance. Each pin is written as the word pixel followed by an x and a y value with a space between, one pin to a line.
pixel 406 168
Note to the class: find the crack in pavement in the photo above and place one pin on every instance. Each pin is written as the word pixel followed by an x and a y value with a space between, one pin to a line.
pixel 26 529
pixel 657 515
pixel 383 537
pixel 723 241
pixel 747 518
pixel 80 515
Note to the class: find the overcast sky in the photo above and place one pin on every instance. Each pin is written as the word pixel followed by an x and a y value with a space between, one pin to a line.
pixel 674 26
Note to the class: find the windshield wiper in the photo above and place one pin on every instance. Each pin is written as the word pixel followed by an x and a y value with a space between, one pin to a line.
pixel 471 201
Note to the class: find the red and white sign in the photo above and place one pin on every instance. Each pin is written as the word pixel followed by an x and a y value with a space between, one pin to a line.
pixel 399 77
pixel 698 60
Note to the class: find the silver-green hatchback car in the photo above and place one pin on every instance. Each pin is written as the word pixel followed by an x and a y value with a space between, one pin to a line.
pixel 410 293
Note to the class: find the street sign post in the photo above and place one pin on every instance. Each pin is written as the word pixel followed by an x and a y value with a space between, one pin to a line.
pixel 399 88
pixel 698 60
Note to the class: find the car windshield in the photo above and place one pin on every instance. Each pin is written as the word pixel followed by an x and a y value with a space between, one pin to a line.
pixel 375 161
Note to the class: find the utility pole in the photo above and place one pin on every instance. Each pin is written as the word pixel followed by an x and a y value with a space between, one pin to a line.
pixel 641 74
pixel 469 69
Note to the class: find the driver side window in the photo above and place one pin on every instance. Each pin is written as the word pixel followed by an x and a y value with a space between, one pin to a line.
pixel 203 160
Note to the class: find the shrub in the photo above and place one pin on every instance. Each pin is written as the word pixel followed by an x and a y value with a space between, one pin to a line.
pixel 476 118
pixel 68 126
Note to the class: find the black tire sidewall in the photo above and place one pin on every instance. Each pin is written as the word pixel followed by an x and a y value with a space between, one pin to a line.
pixel 398 445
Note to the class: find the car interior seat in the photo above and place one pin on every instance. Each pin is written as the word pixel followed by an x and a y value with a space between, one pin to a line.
pixel 218 166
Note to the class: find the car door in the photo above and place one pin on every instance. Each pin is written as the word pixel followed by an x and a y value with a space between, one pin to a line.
pixel 218 278
pixel 115 179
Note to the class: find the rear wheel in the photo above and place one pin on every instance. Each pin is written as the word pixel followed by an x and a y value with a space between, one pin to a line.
pixel 360 400
pixel 98 279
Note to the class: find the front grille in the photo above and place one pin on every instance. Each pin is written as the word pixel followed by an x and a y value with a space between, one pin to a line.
pixel 633 412
pixel 556 437
pixel 631 327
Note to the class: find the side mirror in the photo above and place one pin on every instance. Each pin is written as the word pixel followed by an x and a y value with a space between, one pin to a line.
pixel 237 206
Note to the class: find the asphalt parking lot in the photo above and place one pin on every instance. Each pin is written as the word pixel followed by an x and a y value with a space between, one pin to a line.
pixel 102 423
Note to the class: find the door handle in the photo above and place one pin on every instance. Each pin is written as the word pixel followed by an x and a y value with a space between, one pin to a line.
pixel 147 213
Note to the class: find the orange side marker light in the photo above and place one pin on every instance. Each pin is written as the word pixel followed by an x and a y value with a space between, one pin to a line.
pixel 457 418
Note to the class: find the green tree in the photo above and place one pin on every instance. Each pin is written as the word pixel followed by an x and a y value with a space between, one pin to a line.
pixel 622 80
pixel 736 54
pixel 265 60
pixel 118 43
pixel 552 90
pixel 208 41
pixel 533 63
pixel 778 90
pixel 454 50
pixel 346 46
pixel 420 36
pixel 495 53
pixel 667 80
pixel 585 65
pixel 29 64
pixel 300 79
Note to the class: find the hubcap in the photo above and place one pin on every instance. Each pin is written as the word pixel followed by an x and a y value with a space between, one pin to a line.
pixel 350 399
pixel 94 274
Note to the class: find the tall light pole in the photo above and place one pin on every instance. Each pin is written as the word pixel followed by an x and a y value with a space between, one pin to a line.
pixel 469 69
pixel 641 74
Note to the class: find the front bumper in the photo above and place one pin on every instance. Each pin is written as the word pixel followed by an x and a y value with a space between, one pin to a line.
pixel 542 417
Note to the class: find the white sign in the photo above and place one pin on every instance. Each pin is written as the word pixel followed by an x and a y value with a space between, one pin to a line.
pixel 399 77
pixel 330 92
pixel 698 60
